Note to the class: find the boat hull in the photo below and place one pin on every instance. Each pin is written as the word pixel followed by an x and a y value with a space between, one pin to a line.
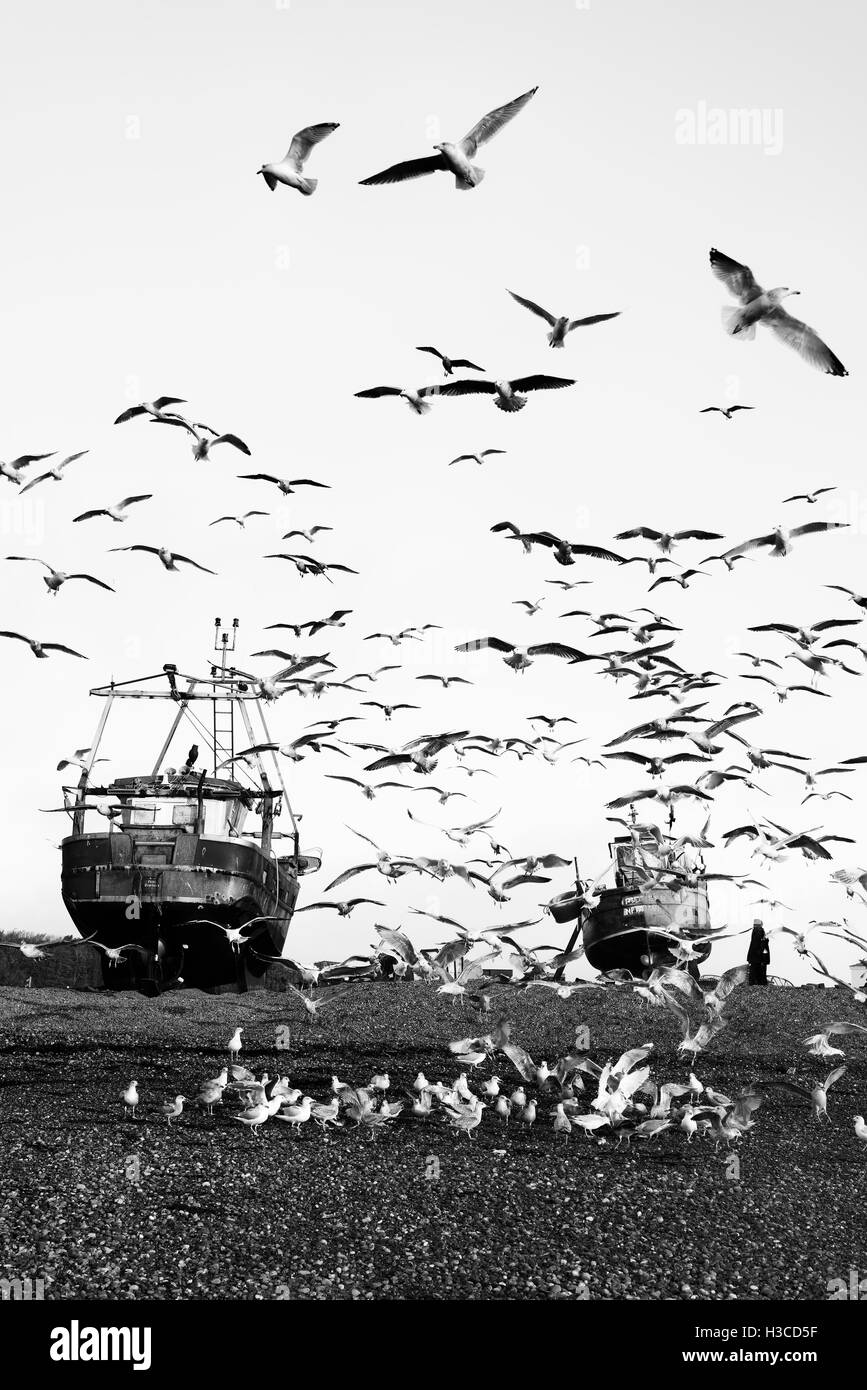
pixel 622 932
pixel 169 898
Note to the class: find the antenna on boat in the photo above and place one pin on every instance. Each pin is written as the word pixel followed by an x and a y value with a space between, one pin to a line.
pixel 223 727
pixel 224 641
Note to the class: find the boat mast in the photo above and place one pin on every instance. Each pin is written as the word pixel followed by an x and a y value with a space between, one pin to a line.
pixel 223 724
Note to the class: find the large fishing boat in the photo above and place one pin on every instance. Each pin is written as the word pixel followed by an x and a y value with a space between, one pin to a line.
pixel 651 892
pixel 188 855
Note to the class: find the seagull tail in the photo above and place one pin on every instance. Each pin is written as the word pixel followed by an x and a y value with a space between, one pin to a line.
pixel 307 186
pixel 732 322
pixel 555 340
pixel 475 178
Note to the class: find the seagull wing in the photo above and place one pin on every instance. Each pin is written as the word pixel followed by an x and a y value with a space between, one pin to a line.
pixel 558 649
pixel 534 308
pixel 464 388
pixel 540 382
pixel 812 526
pixel 493 122
pixel 304 140
pixel 480 642
pixel 591 319
pixel 59 647
pixel 807 343
pixel 185 559
pixel 409 169
pixel 738 279
pixel 373 392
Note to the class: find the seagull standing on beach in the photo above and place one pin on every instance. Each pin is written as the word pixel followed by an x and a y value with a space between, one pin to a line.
pixel 130 1098
pixel 233 1046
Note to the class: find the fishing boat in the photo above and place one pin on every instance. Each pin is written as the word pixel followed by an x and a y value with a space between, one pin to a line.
pixel 651 892
pixel 163 864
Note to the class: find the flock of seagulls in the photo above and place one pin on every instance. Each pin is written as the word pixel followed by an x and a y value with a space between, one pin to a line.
pixel 615 1102
pixel 694 733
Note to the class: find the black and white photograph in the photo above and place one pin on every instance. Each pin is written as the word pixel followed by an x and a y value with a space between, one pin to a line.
pixel 434 636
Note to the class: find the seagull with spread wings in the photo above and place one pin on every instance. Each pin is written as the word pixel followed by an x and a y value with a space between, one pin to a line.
pixel 764 306
pixel 726 410
pixel 156 409
pixel 288 170
pixel 478 458
pixel 508 394
pixel 564 551
pixel 12 469
pixel 120 510
pixel 519 658
pixel 562 325
pixel 41 649
pixel 286 485
pixel 168 558
pixel 456 157
pixel 666 540
pixel 778 542
pixel 204 438
pixel 809 497
pixel 414 399
pixel 55 578
pixel 449 363
pixel 55 472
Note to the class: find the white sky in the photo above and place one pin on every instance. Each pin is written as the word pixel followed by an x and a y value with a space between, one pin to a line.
pixel 143 256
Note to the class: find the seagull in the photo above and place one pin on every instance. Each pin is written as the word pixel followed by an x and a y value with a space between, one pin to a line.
pixel 288 170
pixel 172 1109
pixel 819 1044
pixel 205 439
pixel 764 306
pixel 809 497
pixel 156 409
pixel 56 472
pixel 414 399
pixel 130 1098
pixel 167 557
pixel 41 649
pixel 305 564
pixel 519 658
pixel 256 1115
pixel 239 521
pixel 564 551
pixel 12 469
pixel 297 1115
pixel 666 540
pixel 118 512
pixel 456 157
pixel 308 536
pixel 560 326
pixel 233 1046
pixel 682 579
pixel 55 578
pixel 779 541
pixel 474 458
pixel 508 393
pixel 727 410
pixel 860 600
pixel 818 1096
pixel 286 485
pixel 860 1128
pixel 449 363
pixel 445 681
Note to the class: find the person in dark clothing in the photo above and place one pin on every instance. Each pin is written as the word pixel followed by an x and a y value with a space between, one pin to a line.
pixel 759 954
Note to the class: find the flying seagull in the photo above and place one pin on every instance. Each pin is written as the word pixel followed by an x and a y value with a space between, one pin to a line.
pixel 456 157
pixel 288 169
pixel 726 410
pixel 41 649
pixel 204 438
pixel 563 325
pixel 156 408
pixel 286 485
pixel 779 541
pixel 118 512
pixel 478 458
pixel 414 399
pixel 13 468
pixel 56 472
pixel 519 658
pixel 507 393
pixel 449 363
pixel 238 520
pixel 763 306
pixel 666 540
pixel 809 497
pixel 55 578
pixel 167 557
